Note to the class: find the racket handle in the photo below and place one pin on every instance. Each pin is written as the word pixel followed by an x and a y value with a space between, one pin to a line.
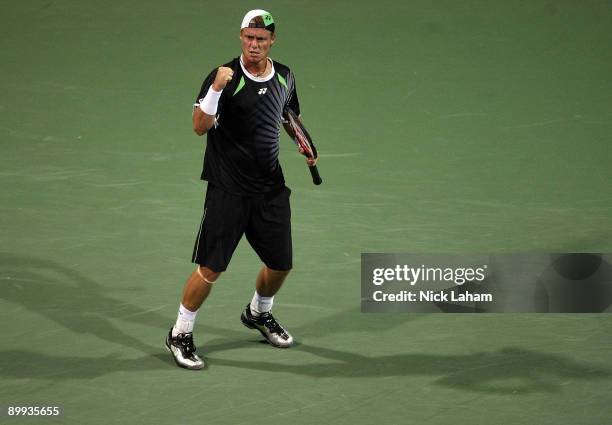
pixel 316 178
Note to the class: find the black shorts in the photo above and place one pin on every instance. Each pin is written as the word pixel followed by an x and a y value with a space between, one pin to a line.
pixel 264 219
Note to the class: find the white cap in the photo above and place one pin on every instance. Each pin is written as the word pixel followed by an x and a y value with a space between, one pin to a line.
pixel 266 21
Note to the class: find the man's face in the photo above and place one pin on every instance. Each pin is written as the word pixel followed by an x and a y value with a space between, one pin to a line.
pixel 256 43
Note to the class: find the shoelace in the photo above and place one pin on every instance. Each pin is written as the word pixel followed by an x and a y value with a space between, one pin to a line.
pixel 271 323
pixel 186 341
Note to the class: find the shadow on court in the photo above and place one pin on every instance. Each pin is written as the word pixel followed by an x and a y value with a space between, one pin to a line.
pixel 81 305
pixel 507 371
pixel 32 365
pixel 71 300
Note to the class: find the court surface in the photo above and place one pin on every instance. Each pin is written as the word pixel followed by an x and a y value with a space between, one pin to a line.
pixel 443 126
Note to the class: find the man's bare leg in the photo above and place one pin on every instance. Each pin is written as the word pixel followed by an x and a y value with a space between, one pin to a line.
pixel 196 290
pixel 180 338
pixel 270 281
pixel 257 314
pixel 198 287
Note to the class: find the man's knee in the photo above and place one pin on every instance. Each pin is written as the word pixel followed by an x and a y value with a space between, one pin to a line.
pixel 284 270
pixel 207 275
pixel 279 273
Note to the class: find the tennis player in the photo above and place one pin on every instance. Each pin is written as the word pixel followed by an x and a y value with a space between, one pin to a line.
pixel 239 107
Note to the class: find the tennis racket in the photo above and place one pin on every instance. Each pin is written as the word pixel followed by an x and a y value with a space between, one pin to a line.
pixel 304 142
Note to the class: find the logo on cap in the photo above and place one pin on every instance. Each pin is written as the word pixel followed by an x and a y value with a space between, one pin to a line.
pixel 258 19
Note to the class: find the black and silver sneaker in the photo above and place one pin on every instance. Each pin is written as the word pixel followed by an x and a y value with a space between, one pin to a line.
pixel 183 351
pixel 271 330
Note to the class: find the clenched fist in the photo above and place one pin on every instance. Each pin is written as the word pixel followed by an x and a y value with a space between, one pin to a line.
pixel 224 76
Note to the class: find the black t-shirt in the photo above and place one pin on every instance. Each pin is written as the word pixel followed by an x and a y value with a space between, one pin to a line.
pixel 242 147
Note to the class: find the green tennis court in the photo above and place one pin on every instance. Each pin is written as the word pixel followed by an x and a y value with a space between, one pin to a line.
pixel 442 126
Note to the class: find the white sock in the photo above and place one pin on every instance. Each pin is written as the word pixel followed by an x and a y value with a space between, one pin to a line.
pixel 185 321
pixel 261 304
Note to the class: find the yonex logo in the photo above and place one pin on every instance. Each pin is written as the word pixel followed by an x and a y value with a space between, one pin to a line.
pixel 263 91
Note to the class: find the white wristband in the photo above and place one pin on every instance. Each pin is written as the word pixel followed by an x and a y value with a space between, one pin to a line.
pixel 209 104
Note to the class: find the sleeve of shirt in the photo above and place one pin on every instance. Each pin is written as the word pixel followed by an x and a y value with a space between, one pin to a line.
pixel 292 97
pixel 205 86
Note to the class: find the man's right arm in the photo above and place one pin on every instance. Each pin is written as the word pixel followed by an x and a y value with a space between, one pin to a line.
pixel 205 113
pixel 202 122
